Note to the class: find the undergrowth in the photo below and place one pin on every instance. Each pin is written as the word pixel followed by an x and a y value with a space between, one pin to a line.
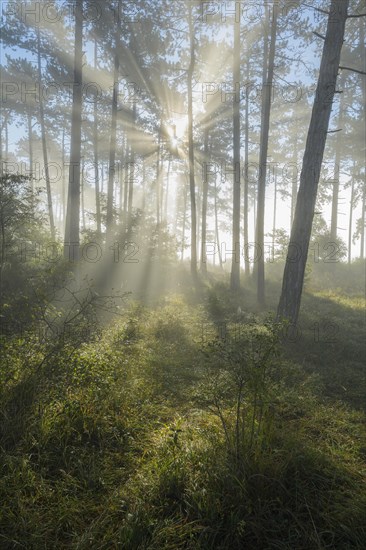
pixel 164 431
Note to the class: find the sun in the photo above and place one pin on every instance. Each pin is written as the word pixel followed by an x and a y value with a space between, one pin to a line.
pixel 178 127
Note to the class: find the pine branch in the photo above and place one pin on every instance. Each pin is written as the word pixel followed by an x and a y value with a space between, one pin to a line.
pixel 352 70
pixel 317 9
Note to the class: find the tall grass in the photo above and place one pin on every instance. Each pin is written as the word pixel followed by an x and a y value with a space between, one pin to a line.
pixel 155 434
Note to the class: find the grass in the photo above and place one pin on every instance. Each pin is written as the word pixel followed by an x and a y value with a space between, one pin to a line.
pixel 165 433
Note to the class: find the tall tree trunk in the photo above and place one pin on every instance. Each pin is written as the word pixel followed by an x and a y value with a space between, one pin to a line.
pixel 184 219
pixel 217 233
pixel 113 138
pixel 72 231
pixel 235 264
pixel 63 192
pixel 337 160
pixel 125 188
pixel 254 228
pixel 7 137
pixel 293 277
pixel 143 185
pixel 131 175
pixel 121 178
pixel 83 195
pixel 30 146
pixel 167 191
pixel 246 176
pixel 351 205
pixel 44 141
pixel 96 150
pixel 102 178
pixel 204 205
pixel 294 176
pixel 266 110
pixel 1 149
pixel 198 211
pixel 274 212
pixel 363 212
pixel 157 186
pixel 192 187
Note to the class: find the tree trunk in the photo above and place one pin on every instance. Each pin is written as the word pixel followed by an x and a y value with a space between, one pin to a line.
pixel 1 149
pixel 246 178
pixel 131 175
pixel 30 145
pixel 158 178
pixel 96 150
pixel 102 178
pixel 192 187
pixel 266 111
pixel 204 206
pixel 335 194
pixel 125 188
pixel 235 264
pixel 44 141
pixel 121 177
pixel 83 195
pixel 167 191
pixel 184 219
pixel 351 217
pixel 293 277
pixel 143 186
pixel 113 139
pixel 72 231
pixel 362 244
pixel 217 227
pixel 274 212
pixel 294 176
pixel 63 192
pixel 363 214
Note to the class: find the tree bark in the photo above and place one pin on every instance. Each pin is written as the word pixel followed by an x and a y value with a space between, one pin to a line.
pixel 203 265
pixel 246 178
pixel 363 212
pixel 30 146
pixel 113 139
pixel 72 230
pixel 192 187
pixel 184 219
pixel 293 278
pixel 337 161
pixel 235 264
pixel 44 141
pixel 167 191
pixel 96 150
pixel 83 195
pixel 274 213
pixel 294 176
pixel 63 191
pixel 158 178
pixel 217 233
pixel 131 175
pixel 351 217
pixel 266 111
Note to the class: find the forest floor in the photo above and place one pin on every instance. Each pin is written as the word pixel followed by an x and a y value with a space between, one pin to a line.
pixel 189 424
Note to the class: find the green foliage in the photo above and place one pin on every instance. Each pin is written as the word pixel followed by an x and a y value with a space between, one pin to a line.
pixel 146 435
pixel 28 275
pixel 238 384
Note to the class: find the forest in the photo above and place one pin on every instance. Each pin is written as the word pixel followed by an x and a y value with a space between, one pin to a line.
pixel 183 274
